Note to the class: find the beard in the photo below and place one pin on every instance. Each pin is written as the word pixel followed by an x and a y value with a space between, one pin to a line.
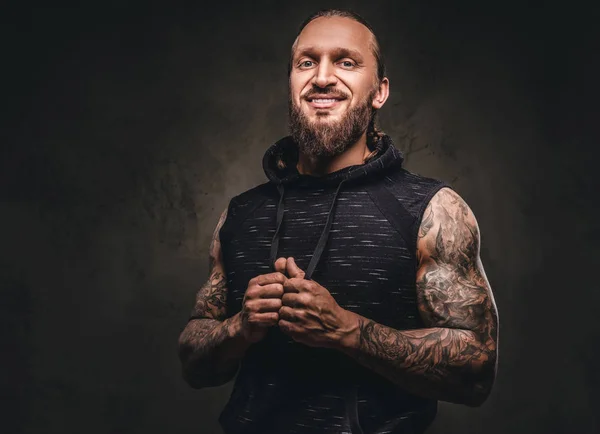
pixel 329 139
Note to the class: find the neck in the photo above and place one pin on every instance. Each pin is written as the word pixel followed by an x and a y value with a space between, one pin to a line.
pixel 318 166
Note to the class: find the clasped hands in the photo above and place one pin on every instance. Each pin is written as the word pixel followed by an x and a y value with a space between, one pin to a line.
pixel 301 308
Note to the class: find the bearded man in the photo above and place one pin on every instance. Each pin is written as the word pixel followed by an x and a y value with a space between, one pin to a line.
pixel 346 293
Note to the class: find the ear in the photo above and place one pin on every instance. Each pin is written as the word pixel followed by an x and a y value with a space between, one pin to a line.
pixel 383 91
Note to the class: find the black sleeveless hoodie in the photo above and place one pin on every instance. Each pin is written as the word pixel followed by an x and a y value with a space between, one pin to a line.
pixel 354 231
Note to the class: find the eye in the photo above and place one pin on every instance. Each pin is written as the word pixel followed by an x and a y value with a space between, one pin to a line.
pixel 306 64
pixel 348 63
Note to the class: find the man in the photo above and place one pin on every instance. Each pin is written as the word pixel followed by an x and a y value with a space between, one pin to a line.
pixel 350 289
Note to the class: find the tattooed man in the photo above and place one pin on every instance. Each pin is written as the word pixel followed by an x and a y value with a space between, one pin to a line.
pixel 346 293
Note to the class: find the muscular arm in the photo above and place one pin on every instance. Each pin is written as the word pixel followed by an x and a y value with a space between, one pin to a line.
pixel 211 346
pixel 454 358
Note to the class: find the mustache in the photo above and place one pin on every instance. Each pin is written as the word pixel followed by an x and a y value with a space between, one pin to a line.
pixel 325 91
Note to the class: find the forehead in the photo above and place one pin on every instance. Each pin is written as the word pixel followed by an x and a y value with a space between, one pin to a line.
pixel 326 33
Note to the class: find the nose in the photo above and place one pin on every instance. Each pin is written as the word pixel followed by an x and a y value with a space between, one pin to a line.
pixel 324 74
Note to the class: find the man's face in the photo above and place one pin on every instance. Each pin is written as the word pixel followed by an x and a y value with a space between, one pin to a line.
pixel 333 85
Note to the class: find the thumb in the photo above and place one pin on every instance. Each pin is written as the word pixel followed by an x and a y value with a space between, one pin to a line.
pixel 280 265
pixel 293 270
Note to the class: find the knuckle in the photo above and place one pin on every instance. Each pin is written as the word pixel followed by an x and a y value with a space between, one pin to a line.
pixel 264 306
pixel 273 304
pixel 280 277
pixel 300 283
pixel 269 290
pixel 286 314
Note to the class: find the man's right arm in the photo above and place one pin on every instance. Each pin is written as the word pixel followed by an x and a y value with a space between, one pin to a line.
pixel 211 345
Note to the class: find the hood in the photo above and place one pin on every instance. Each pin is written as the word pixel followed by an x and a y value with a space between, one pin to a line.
pixel 279 164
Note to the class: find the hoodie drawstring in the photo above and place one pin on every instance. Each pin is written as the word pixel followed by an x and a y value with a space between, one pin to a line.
pixel 275 240
pixel 350 393
pixel 316 256
pixel 324 236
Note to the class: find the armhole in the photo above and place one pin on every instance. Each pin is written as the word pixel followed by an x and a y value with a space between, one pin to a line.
pixel 393 210
pixel 237 213
pixel 226 223
pixel 426 199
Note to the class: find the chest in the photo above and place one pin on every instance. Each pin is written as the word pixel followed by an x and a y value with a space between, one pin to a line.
pixel 366 266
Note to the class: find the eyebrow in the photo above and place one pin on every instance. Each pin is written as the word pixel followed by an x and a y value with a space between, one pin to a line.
pixel 336 53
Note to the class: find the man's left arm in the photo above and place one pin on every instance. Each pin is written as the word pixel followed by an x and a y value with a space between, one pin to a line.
pixel 454 359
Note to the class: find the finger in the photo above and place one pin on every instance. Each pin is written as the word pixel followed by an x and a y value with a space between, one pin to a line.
pixel 288 327
pixel 296 285
pixel 292 299
pixel 265 319
pixel 271 290
pixel 265 279
pixel 264 305
pixel 293 270
pixel 288 314
pixel 280 265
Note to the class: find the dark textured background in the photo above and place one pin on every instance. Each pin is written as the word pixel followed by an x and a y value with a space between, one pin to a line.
pixel 127 129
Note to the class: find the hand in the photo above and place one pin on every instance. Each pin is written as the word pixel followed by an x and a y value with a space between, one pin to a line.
pixel 310 314
pixel 261 304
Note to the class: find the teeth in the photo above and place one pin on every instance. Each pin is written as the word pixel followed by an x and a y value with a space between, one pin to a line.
pixel 322 100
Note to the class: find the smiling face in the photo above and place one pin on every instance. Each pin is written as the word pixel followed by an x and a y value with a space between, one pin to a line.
pixel 334 88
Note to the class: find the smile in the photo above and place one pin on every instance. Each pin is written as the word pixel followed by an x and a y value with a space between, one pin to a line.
pixel 323 102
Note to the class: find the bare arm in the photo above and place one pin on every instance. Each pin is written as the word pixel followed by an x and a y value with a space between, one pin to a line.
pixel 210 346
pixel 455 358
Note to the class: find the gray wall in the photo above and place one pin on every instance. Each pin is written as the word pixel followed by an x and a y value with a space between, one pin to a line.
pixel 128 130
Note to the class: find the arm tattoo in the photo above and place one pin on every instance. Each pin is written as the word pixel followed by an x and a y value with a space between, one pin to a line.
pixel 201 344
pixel 214 256
pixel 455 358
pixel 427 222
pixel 212 297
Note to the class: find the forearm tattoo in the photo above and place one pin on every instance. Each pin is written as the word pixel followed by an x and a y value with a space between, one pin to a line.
pixel 455 358
pixel 208 329
pixel 211 298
